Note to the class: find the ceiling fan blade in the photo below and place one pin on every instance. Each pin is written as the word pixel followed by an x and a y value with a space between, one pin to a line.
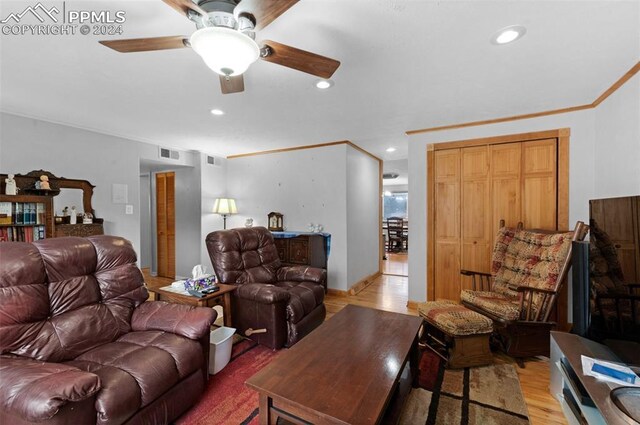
pixel 265 11
pixel 231 84
pixel 183 6
pixel 146 44
pixel 301 60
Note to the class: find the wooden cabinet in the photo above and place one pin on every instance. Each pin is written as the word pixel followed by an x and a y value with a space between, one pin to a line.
pixel 309 250
pixel 25 218
pixel 42 200
pixel 477 185
pixel 81 230
pixel 620 219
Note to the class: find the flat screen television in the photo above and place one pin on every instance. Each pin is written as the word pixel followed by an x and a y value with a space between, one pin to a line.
pixel 606 277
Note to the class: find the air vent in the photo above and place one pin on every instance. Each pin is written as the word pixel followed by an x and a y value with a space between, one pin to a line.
pixel 169 154
pixel 215 161
pixel 389 176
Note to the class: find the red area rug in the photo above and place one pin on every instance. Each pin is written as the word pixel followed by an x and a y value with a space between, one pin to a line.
pixel 227 400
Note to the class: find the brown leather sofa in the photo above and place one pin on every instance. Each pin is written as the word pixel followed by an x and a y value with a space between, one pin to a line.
pixel 79 344
pixel 286 301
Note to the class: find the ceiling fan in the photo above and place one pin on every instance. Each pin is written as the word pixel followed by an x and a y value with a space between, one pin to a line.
pixel 225 39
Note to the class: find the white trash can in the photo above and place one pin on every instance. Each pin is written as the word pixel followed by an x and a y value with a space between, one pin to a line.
pixel 221 341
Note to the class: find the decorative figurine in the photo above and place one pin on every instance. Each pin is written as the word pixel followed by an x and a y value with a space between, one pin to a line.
pixel 44 183
pixel 65 211
pixel 248 223
pixel 10 188
pixel 74 216
pixel 87 218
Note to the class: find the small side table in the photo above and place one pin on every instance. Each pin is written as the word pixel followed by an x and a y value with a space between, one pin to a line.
pixel 221 297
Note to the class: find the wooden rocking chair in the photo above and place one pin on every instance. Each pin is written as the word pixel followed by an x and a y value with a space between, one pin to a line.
pixel 527 272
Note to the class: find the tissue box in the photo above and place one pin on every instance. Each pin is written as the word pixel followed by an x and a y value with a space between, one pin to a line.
pixel 200 283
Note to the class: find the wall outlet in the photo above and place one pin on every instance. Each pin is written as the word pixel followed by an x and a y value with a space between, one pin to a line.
pixel 128 209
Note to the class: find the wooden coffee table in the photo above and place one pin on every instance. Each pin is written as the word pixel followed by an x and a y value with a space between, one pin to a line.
pixel 221 297
pixel 350 370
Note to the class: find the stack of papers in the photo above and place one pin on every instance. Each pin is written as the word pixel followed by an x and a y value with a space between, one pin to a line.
pixel 608 371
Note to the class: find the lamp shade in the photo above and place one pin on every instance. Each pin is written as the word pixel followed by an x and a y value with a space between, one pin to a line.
pixel 226 51
pixel 225 206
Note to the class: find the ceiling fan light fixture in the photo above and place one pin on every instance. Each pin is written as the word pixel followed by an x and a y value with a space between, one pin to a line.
pixel 508 34
pixel 224 50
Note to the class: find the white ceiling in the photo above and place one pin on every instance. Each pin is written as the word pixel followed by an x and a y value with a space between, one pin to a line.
pixel 405 65
pixel 399 166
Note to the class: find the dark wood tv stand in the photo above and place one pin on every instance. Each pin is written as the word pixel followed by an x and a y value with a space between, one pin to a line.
pixel 570 347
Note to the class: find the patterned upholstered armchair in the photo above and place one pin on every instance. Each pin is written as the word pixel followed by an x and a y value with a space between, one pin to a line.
pixel 527 270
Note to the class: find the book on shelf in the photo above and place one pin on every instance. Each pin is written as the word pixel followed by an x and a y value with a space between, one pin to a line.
pixel 6 212
pixel 22 233
pixel 18 213
pixel 41 215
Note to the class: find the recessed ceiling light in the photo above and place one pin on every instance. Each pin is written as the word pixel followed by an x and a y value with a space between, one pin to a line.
pixel 324 84
pixel 391 149
pixel 508 34
pixel 217 112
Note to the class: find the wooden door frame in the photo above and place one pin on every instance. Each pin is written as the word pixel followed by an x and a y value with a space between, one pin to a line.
pixel 561 134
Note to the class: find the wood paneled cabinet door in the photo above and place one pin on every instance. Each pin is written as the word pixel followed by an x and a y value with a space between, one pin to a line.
pixel 477 186
pixel 620 219
pixel 447 223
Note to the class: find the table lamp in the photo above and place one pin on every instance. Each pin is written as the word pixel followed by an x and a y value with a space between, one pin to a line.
pixel 224 207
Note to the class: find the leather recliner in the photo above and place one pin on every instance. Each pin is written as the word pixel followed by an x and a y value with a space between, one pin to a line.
pixel 79 344
pixel 286 301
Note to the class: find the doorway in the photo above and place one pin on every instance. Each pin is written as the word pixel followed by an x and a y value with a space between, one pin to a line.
pixel 165 224
pixel 395 218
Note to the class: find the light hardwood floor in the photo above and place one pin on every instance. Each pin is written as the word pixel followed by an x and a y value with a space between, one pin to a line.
pixel 396 264
pixel 390 293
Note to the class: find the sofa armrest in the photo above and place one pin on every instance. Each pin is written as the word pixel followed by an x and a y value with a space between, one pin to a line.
pixel 188 321
pixel 35 390
pixel 302 274
pixel 262 293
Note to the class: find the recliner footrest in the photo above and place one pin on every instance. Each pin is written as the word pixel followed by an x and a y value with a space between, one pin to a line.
pixel 457 334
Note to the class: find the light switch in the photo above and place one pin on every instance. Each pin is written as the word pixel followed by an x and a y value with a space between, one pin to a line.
pixel 128 209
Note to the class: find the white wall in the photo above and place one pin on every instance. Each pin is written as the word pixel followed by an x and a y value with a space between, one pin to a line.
pixel 213 185
pixel 617 148
pixel 188 215
pixel 307 186
pixel 363 218
pixel 610 131
pixel 28 144
pixel 145 220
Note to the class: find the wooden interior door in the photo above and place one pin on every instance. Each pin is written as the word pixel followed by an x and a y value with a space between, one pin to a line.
pixel 505 178
pixel 540 184
pixel 619 217
pixel 447 224
pixel 475 212
pixel 165 224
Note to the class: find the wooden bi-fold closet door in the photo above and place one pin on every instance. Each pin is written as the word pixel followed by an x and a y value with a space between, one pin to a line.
pixel 476 186
pixel 166 224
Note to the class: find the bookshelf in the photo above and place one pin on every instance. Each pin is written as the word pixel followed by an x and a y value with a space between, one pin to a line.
pixel 26 218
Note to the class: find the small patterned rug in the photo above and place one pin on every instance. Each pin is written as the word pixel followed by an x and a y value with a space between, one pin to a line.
pixel 480 395
pixel 227 400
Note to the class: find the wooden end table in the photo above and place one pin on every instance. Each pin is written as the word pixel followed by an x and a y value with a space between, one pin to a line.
pixel 221 297
pixel 353 369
